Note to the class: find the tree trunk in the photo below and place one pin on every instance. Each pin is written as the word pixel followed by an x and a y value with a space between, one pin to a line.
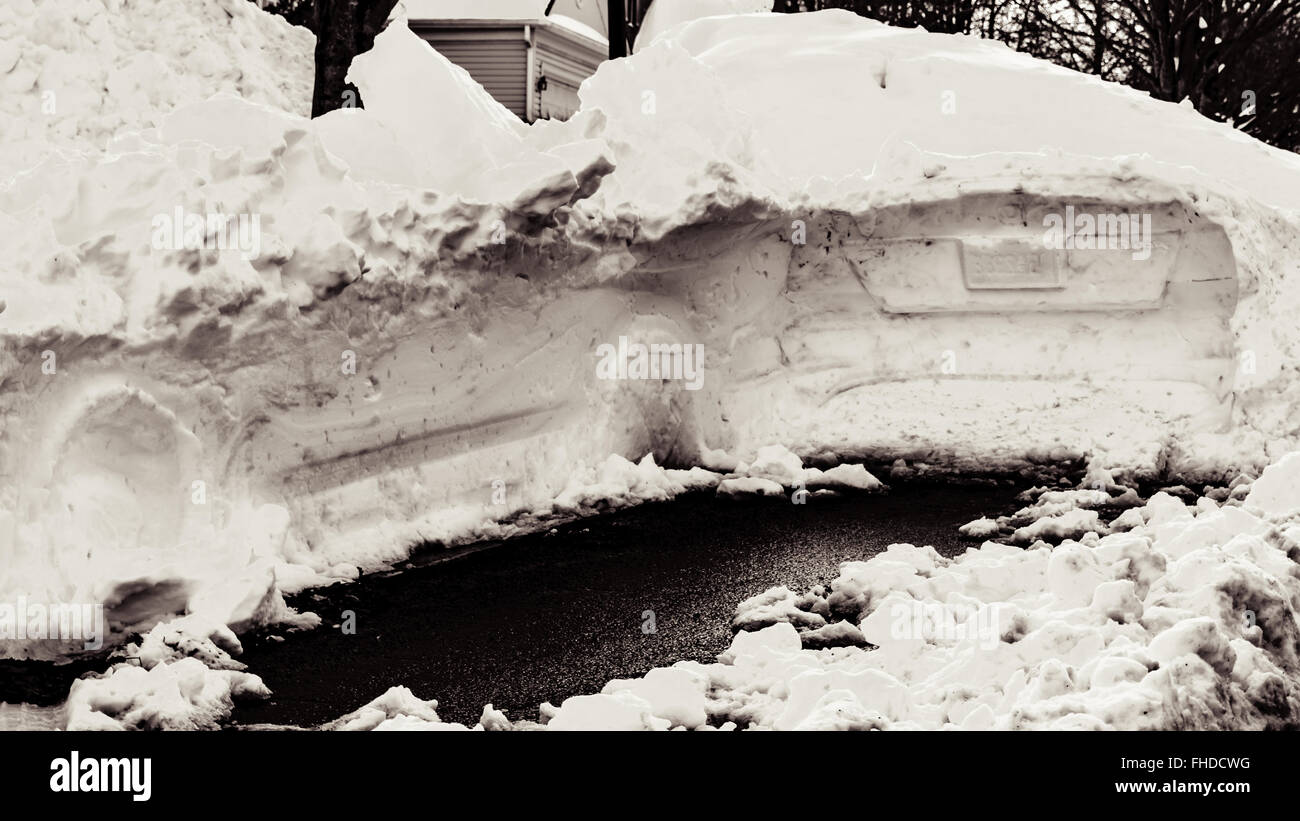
pixel 344 29
pixel 617 29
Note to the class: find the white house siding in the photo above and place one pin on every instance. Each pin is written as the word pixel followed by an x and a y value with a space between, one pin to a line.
pixel 565 61
pixel 497 57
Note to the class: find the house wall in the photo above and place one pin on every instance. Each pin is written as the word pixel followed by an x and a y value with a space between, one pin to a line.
pixel 565 62
pixel 496 57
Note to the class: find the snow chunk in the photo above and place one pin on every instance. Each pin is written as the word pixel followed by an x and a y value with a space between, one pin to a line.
pixel 775 463
pixel 1277 490
pixel 616 483
pixel 397 709
pixel 415 93
pixel 779 639
pixel 981 528
pixel 676 694
pixel 1069 525
pixel 836 634
pixel 622 710
pixel 745 486
pixel 849 476
pixel 775 605
pixel 181 695
pixel 775 466
pixel 1199 636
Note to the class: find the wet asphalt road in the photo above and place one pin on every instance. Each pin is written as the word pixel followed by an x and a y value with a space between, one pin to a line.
pixel 548 616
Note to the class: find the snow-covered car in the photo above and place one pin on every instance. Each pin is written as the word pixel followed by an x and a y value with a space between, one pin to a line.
pixel 412 351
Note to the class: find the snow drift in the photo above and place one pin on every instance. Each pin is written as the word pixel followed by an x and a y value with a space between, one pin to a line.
pixel 243 352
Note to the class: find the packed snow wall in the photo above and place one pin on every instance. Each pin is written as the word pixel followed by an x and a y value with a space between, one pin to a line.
pixel 385 326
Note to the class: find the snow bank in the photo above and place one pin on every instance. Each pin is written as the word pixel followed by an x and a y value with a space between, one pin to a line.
pixel 77 74
pixel 1189 621
pixel 619 483
pixel 182 676
pixel 155 298
pixel 398 79
pixel 992 142
pixel 664 15
pixel 184 695
pixel 243 352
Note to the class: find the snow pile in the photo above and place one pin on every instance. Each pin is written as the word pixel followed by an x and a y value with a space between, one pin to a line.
pixel 953 140
pixel 77 73
pixel 397 709
pixel 399 78
pixel 182 675
pixel 776 469
pixel 616 483
pixel 154 299
pixel 818 628
pixel 1070 524
pixel 981 528
pixel 1274 493
pixel 664 15
pixel 674 693
pixel 875 136
pixel 183 695
pixel 665 698
pixel 621 711
pixel 1058 514
pixel 243 352
pixel 1191 620
pixel 854 477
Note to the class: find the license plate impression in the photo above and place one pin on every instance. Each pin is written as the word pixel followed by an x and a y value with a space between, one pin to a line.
pixel 1009 264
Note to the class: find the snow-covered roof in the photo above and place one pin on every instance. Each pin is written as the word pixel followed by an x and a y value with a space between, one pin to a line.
pixel 474 9
pixel 525 11
pixel 578 27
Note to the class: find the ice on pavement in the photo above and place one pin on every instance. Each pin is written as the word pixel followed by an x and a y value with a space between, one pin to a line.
pixel 243 352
